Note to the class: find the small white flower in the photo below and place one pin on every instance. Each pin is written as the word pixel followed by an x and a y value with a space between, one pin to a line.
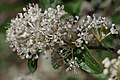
pixel 92 25
pixel 113 70
pixel 118 51
pixel 113 61
pixel 78 42
pixel 113 30
pixel 105 60
pixel 105 71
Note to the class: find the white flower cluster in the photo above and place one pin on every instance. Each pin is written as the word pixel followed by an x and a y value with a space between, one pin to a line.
pixel 112 68
pixel 100 27
pixel 73 64
pixel 34 29
pixel 46 30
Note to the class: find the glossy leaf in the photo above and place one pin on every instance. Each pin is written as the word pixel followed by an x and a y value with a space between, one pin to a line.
pixel 32 65
pixel 90 64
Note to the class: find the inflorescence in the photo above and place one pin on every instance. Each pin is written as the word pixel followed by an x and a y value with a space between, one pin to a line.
pixel 47 31
pixel 112 68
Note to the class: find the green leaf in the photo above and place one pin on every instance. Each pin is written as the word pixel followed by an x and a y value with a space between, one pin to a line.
pixel 84 67
pixel 56 66
pixel 32 65
pixel 90 64
pixel 100 76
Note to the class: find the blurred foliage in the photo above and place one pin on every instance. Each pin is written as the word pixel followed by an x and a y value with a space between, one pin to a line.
pixel 116 14
pixel 72 6
pixel 71 78
pixel 10 7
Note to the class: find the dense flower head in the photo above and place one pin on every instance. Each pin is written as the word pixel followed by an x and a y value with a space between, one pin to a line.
pixel 33 29
pixel 112 68
pixel 23 35
pixel 99 27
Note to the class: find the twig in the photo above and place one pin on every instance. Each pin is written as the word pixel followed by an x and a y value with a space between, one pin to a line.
pixel 114 50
